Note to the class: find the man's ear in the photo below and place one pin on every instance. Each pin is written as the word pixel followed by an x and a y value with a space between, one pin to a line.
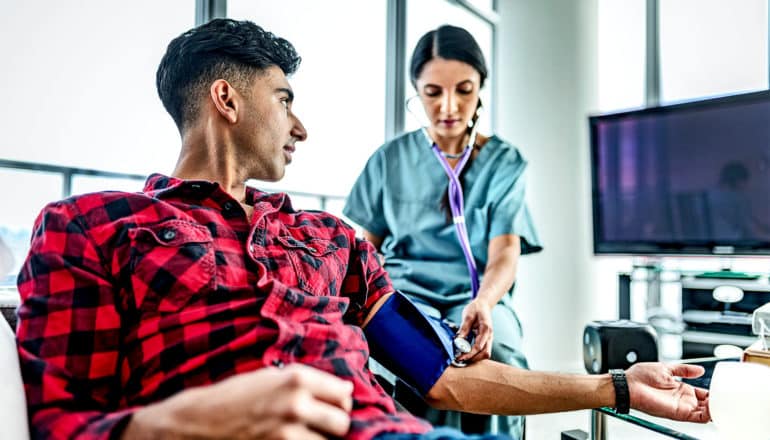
pixel 225 99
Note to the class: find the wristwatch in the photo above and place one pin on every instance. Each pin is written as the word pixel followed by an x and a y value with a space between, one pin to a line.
pixel 622 397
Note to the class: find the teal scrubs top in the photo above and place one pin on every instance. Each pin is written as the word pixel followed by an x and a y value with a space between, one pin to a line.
pixel 398 196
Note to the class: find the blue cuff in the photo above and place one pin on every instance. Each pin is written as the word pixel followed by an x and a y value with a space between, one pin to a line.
pixel 413 346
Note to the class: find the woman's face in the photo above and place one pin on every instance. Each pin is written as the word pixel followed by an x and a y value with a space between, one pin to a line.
pixel 449 91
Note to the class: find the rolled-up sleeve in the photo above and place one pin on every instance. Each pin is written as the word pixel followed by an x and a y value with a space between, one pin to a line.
pixel 365 282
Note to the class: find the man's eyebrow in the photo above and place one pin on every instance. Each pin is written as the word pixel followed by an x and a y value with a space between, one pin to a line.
pixel 286 90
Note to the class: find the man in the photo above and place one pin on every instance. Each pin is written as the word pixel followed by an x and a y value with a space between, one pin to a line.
pixel 202 308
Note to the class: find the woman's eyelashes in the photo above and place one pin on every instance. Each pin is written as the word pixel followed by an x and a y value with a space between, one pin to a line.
pixel 434 92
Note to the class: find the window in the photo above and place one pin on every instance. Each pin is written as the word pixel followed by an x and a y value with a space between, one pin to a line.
pixel 88 184
pixel 706 48
pixel 425 15
pixel 339 87
pixel 81 93
pixel 483 5
pixel 712 47
pixel 24 195
pixel 621 39
pixel 83 83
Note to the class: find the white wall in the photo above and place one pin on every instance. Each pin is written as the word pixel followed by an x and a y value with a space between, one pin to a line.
pixel 547 86
pixel 549 57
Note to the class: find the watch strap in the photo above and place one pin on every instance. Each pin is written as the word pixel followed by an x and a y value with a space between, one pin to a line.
pixel 622 396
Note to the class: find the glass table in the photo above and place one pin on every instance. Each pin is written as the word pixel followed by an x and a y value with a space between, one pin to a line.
pixel 664 427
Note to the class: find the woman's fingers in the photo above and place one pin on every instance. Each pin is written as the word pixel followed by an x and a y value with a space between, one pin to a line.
pixel 482 345
pixel 467 325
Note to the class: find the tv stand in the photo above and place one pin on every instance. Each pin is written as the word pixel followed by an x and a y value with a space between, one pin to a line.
pixel 727 275
pixel 694 314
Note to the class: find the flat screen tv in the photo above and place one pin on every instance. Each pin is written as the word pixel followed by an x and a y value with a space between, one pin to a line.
pixel 691 178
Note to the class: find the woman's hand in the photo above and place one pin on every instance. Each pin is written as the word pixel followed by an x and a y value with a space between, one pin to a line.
pixel 477 319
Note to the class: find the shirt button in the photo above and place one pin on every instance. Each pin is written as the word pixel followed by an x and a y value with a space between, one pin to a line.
pixel 228 206
pixel 278 363
pixel 168 234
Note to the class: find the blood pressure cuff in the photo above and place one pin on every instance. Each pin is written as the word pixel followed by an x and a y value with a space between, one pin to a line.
pixel 415 347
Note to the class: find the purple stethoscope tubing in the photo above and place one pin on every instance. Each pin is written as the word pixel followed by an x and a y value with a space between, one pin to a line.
pixel 456 204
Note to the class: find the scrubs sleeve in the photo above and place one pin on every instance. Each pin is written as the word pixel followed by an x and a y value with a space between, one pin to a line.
pixel 510 214
pixel 364 204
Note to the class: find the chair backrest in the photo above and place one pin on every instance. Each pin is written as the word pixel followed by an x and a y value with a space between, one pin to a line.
pixel 13 402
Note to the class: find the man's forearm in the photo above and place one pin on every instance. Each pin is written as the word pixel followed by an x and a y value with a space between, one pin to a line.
pixel 489 387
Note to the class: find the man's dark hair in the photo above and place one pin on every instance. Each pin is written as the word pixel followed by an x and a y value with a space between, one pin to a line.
pixel 222 48
pixel 450 43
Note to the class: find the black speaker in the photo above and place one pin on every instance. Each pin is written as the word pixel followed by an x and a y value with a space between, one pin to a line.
pixel 618 344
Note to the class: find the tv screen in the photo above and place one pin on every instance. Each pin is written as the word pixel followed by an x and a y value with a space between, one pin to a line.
pixel 689 178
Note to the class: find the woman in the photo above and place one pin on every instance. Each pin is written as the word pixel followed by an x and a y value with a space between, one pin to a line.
pixel 402 201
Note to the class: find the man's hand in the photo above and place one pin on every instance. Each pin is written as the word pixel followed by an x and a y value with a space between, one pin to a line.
pixel 654 389
pixel 477 318
pixel 297 402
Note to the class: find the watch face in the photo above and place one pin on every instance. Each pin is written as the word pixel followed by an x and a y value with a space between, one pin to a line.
pixel 462 345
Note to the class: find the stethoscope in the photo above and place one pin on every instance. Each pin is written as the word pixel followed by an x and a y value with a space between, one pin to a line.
pixel 457 204
pixel 457 207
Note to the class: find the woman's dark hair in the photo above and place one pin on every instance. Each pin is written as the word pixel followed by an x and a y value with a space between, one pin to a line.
pixel 222 48
pixel 450 43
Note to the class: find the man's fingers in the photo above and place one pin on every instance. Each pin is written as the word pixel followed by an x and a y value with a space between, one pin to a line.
pixel 700 415
pixel 701 393
pixel 686 370
pixel 303 408
pixel 321 385
pixel 294 431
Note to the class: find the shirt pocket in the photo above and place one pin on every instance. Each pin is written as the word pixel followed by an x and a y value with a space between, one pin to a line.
pixel 172 264
pixel 317 266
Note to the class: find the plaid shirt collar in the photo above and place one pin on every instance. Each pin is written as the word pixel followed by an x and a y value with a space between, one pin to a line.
pixel 161 186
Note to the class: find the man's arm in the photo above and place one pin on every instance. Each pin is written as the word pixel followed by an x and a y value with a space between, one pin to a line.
pixel 295 402
pixel 68 341
pixel 68 331
pixel 653 387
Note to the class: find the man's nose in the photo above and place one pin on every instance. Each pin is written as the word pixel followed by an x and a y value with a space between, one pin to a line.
pixel 298 130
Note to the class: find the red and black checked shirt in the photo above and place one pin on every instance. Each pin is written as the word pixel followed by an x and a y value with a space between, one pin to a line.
pixel 130 298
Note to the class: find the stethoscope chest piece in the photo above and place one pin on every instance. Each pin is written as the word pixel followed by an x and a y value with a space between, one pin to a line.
pixel 461 346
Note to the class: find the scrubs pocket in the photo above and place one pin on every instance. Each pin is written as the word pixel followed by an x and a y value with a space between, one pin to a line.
pixel 172 264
